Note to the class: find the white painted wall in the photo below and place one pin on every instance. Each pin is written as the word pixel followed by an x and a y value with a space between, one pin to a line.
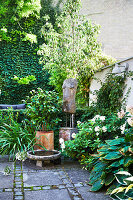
pixel 95 84
pixel 116 20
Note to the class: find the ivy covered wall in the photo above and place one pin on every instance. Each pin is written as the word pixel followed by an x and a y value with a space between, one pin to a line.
pixel 19 42
pixel 20 60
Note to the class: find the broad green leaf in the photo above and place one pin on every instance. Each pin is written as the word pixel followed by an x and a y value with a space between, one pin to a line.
pixel 113 156
pixel 128 161
pixel 109 179
pixel 95 178
pixel 99 166
pixel 97 185
pixel 115 141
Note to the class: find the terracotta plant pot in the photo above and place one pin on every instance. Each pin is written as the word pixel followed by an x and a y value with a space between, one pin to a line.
pixel 46 139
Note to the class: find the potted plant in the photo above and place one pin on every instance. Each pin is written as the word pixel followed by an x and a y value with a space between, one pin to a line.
pixel 42 108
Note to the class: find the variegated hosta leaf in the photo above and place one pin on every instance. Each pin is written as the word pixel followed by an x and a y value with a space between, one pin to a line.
pixel 129 191
pixel 129 187
pixel 120 176
pixel 119 189
pixel 128 180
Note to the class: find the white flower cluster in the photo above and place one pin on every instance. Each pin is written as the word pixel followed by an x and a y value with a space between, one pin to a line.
pixel 102 118
pixel 122 127
pixel 62 144
pixel 130 119
pixel 97 129
pixel 21 156
pixel 121 114
pixel 129 109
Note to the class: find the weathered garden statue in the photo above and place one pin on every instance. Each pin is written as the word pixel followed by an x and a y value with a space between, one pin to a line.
pixel 69 92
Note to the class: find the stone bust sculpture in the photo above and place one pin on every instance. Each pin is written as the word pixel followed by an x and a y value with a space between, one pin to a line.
pixel 69 92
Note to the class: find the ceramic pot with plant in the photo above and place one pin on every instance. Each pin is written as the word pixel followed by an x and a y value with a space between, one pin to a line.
pixel 42 108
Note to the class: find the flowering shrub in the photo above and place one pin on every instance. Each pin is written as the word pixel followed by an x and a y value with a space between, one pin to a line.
pixel 95 131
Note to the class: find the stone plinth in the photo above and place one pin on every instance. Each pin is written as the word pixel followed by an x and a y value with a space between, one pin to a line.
pixel 66 133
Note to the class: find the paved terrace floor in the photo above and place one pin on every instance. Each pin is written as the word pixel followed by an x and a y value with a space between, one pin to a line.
pixel 67 181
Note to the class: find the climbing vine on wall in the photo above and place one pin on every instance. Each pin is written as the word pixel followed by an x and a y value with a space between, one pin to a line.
pixel 20 61
pixel 109 96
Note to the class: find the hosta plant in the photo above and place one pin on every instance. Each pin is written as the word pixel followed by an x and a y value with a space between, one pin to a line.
pixel 125 190
pixel 113 156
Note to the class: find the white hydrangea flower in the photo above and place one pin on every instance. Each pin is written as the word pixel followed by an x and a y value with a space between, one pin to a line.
pixel 130 121
pixel 97 133
pixel 102 118
pixel 96 117
pixel 129 109
pixel 122 127
pixel 104 128
pixel 78 122
pixel 121 114
pixel 97 128
pixel 61 140
pixel 73 135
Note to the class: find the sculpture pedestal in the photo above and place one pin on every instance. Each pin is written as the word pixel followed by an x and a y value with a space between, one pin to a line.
pixel 66 133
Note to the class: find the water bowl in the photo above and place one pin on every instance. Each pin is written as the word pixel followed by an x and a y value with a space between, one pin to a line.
pixel 44 156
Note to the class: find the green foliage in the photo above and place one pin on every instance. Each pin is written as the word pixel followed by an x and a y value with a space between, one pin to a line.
pixel 110 94
pixel 125 190
pixel 70 48
pixel 6 115
pixel 26 80
pixel 21 61
pixel 12 12
pixel 113 156
pixel 42 108
pixel 16 137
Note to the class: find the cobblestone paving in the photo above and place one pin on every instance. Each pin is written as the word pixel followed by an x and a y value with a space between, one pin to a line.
pixel 28 182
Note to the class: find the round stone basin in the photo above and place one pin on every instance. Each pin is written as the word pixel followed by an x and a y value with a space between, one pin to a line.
pixel 43 155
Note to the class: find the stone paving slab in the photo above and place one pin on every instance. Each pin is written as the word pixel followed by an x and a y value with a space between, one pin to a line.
pixel 41 178
pixel 87 195
pixel 6 181
pixel 4 164
pixel 63 182
pixel 78 175
pixel 47 195
pixel 6 195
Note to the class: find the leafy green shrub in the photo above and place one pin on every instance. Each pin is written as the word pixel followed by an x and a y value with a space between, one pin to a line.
pixel 110 94
pixel 42 108
pixel 125 189
pixel 113 156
